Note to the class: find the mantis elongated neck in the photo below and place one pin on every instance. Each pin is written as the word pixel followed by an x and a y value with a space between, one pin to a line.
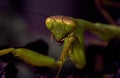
pixel 104 31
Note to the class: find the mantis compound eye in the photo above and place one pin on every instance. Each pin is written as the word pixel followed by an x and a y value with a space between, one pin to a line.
pixel 60 26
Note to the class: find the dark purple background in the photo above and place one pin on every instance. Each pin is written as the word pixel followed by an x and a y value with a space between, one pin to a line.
pixel 28 19
pixel 23 21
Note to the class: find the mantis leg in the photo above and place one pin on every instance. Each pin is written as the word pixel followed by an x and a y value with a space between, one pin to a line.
pixel 31 57
pixel 64 54
pixel 35 58
pixel 6 51
pixel 77 53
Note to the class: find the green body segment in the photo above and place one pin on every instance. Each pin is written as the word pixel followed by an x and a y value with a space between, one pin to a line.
pixel 103 31
pixel 31 57
pixel 77 49
pixel 34 58
pixel 78 55
pixel 5 51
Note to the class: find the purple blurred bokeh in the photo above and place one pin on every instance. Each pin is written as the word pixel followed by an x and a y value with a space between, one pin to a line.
pixel 23 21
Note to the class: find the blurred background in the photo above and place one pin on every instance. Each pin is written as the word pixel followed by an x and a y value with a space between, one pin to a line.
pixel 23 21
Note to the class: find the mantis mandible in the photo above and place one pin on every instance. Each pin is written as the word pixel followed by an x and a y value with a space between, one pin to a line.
pixel 70 31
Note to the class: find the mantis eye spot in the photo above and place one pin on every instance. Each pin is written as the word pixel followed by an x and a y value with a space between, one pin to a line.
pixel 49 23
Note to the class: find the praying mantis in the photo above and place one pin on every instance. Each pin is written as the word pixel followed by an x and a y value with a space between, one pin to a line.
pixel 70 31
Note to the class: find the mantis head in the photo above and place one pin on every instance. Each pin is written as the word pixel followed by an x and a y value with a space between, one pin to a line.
pixel 60 26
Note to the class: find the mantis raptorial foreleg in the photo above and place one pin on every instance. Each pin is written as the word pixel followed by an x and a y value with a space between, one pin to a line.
pixel 78 53
pixel 67 43
pixel 31 57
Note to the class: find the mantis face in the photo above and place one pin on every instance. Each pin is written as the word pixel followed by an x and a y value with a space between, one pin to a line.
pixel 60 26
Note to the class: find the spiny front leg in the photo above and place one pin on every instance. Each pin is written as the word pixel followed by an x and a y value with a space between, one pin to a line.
pixel 77 54
pixel 6 51
pixel 64 54
pixel 77 51
pixel 31 57
pixel 35 58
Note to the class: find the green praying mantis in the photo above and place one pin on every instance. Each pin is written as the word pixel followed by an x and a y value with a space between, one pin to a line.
pixel 70 31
